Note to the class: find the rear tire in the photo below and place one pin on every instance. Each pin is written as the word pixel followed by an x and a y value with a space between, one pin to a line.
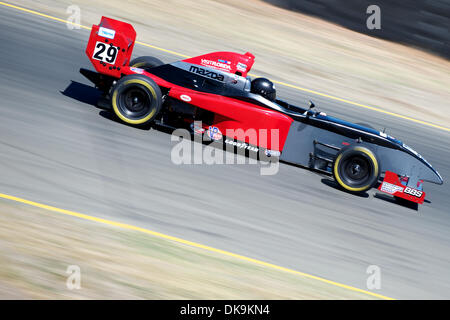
pixel 136 99
pixel 146 62
pixel 356 169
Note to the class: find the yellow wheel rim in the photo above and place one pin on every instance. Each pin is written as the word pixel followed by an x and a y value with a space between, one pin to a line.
pixel 122 116
pixel 339 179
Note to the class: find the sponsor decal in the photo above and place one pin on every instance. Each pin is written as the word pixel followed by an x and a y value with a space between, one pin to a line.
pixel 413 192
pixel 185 97
pixel 390 188
pixel 241 67
pixel 272 153
pixel 107 33
pixel 214 133
pixel 137 70
pixel 207 73
pixel 197 128
pixel 241 145
pixel 224 61
pixel 216 64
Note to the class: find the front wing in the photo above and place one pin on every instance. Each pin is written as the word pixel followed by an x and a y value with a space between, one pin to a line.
pixel 393 186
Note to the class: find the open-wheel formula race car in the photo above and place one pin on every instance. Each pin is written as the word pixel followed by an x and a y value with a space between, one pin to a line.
pixel 214 88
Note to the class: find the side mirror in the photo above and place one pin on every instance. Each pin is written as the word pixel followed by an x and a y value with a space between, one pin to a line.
pixel 311 105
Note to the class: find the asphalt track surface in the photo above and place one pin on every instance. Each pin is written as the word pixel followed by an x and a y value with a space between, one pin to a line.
pixel 57 148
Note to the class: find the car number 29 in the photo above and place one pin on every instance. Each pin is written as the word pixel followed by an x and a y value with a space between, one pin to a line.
pixel 105 53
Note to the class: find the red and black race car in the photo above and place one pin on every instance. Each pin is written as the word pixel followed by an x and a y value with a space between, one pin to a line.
pixel 214 88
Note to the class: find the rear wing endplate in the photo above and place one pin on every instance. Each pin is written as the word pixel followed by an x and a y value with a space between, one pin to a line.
pixel 110 46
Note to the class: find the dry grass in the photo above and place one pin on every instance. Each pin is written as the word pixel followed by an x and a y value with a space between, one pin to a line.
pixel 289 47
pixel 37 246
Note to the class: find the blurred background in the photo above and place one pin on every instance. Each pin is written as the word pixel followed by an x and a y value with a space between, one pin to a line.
pixel 420 23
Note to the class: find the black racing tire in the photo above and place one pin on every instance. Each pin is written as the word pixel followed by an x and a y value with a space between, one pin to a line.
pixel 356 168
pixel 146 62
pixel 136 99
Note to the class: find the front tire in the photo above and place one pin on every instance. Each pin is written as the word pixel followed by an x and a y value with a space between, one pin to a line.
pixel 136 99
pixel 356 169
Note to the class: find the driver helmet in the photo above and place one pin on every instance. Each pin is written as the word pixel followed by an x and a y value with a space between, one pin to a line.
pixel 264 87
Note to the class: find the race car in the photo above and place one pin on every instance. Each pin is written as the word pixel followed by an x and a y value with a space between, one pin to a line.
pixel 213 94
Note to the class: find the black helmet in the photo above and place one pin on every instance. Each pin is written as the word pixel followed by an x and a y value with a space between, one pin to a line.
pixel 264 87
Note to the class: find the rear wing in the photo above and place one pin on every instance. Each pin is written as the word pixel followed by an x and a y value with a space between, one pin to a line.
pixel 110 46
